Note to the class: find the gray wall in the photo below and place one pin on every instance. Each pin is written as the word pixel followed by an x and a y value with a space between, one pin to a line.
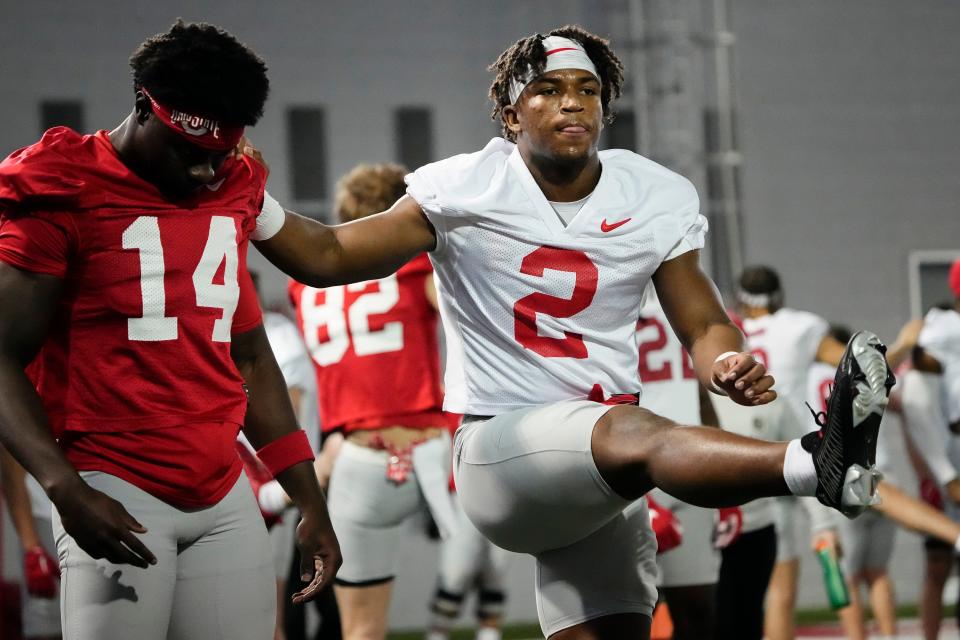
pixel 850 127
pixel 849 119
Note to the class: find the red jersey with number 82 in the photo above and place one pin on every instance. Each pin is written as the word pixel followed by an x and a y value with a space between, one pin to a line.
pixel 536 311
pixel 152 288
pixel 375 348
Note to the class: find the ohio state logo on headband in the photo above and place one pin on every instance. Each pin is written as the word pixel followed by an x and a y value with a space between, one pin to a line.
pixel 204 132
pixel 195 125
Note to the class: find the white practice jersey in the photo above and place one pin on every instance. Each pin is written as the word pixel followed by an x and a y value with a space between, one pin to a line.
pixel 940 338
pixel 533 311
pixel 786 341
pixel 670 385
pixel 297 369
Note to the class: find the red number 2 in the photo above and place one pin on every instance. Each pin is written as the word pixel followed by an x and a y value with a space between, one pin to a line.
pixel 526 309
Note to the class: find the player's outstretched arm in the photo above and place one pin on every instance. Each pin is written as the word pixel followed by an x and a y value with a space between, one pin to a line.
pixel 270 417
pixel 99 524
pixel 321 255
pixel 916 515
pixel 692 304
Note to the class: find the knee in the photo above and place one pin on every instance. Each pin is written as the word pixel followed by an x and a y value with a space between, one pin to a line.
pixel 781 598
pixel 870 576
pixel 630 434
pixel 623 443
pixel 365 631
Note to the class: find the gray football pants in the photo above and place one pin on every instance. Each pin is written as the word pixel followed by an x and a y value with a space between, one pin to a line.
pixel 213 579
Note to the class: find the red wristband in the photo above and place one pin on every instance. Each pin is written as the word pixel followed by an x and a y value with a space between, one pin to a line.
pixel 286 451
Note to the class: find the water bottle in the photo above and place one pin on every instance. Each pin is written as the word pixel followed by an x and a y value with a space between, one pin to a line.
pixel 833 579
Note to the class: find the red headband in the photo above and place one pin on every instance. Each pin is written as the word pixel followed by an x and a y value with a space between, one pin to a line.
pixel 955 278
pixel 203 132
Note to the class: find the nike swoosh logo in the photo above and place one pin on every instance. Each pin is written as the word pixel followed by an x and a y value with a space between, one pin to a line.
pixel 215 185
pixel 610 227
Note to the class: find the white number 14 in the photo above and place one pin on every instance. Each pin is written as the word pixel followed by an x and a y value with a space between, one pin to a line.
pixel 221 248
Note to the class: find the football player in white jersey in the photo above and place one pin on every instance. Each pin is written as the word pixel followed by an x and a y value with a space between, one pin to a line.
pixel 542 248
pixel 688 572
pixel 931 400
pixel 789 341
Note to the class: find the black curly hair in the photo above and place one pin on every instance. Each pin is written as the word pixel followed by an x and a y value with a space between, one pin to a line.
pixel 201 69
pixel 528 54
pixel 763 280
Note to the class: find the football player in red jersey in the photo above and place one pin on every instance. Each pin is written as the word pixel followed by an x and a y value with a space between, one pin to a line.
pixel 126 254
pixel 377 361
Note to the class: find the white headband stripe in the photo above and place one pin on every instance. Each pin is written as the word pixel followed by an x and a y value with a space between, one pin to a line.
pixel 562 53
pixel 759 300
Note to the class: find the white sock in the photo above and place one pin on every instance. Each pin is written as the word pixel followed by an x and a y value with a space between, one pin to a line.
pixel 488 633
pixel 798 470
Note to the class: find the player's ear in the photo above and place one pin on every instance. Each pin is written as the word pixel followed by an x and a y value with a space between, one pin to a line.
pixel 511 118
pixel 142 107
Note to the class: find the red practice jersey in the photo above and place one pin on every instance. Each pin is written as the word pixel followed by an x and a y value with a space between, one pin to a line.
pixel 374 345
pixel 136 375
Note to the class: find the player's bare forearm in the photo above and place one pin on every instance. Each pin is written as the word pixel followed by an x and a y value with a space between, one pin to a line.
pixel 692 304
pixel 270 414
pixel 322 255
pixel 24 430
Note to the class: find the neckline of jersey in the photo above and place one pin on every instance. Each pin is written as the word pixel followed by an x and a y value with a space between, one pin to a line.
pixel 545 210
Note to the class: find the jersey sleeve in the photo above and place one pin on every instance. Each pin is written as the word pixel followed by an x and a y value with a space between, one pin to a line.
pixel 40 242
pixel 248 315
pixel 933 339
pixel 421 186
pixel 691 227
pixel 451 188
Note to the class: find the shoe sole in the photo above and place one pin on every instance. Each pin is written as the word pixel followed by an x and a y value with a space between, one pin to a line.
pixel 860 482
pixel 872 390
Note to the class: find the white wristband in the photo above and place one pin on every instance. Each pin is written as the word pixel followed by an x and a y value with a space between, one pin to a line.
pixel 270 220
pixel 713 385
pixel 272 498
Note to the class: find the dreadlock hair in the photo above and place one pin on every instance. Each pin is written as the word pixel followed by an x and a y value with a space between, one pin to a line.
pixel 527 54
pixel 763 280
pixel 201 69
pixel 369 189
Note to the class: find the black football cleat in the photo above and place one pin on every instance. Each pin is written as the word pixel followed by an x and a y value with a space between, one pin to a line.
pixel 845 448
